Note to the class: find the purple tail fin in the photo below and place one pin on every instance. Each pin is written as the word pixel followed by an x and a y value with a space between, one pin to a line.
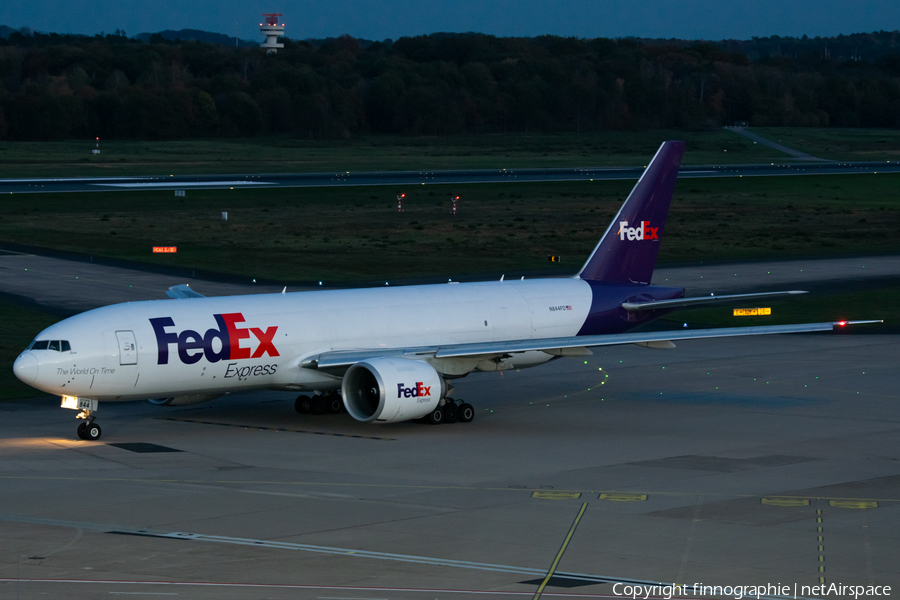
pixel 627 251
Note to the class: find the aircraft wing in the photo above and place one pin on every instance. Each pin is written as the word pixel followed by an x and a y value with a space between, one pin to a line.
pixel 178 292
pixel 704 300
pixel 339 360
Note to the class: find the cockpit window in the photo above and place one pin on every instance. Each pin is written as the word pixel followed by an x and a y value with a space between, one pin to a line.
pixel 58 345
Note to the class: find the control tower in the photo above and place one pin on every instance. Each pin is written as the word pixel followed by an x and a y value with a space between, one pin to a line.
pixel 271 30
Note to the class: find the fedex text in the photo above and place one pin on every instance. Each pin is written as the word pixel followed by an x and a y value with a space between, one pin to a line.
pixel 639 233
pixel 192 346
pixel 419 390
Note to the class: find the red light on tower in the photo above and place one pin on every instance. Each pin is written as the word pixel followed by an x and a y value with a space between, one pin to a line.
pixel 272 30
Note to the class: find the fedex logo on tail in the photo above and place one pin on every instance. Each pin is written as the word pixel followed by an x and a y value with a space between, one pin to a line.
pixel 639 233
pixel 420 389
pixel 192 346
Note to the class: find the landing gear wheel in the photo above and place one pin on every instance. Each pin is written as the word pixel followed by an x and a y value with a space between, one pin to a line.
pixel 93 432
pixel 318 405
pixel 303 405
pixel 466 412
pixel 436 417
pixel 89 431
pixel 451 413
pixel 334 403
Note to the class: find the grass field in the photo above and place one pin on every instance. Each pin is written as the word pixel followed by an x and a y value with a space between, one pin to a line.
pixel 377 153
pixel 278 155
pixel 18 326
pixel 356 234
pixel 838 144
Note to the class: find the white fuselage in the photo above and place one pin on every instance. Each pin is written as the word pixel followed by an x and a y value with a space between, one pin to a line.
pixel 116 352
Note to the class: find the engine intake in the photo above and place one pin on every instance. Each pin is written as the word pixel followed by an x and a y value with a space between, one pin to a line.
pixel 387 390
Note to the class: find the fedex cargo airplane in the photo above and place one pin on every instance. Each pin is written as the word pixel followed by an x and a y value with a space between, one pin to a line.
pixel 391 352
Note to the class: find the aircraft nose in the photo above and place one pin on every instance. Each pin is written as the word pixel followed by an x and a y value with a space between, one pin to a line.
pixel 26 367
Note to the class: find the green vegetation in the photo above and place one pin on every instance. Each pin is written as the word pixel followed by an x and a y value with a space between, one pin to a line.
pixel 75 87
pixel 347 234
pixel 17 328
pixel 370 153
pixel 850 144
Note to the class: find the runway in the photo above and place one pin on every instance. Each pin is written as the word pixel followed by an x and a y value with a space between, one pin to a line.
pixel 406 178
pixel 722 462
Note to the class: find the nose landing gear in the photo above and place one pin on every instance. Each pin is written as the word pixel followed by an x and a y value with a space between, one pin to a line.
pixel 88 430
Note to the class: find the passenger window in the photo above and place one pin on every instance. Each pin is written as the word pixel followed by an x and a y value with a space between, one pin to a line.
pixel 65 346
pixel 54 345
pixel 42 345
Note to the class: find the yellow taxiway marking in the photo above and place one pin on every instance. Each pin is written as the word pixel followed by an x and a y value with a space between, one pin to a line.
pixel 785 501
pixel 853 503
pixel 556 495
pixel 559 554
pixel 612 497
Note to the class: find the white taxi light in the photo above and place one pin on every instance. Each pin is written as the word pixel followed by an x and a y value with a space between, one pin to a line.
pixel 78 403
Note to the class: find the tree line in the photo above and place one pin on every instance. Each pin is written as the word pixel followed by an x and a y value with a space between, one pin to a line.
pixel 115 87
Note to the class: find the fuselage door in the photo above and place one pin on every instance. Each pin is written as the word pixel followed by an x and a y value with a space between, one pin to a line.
pixel 127 348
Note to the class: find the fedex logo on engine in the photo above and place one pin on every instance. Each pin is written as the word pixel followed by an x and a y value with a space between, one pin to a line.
pixel 641 232
pixel 417 391
pixel 192 346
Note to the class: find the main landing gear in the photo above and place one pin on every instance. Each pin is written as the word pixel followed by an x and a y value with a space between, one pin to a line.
pixel 449 412
pixel 319 405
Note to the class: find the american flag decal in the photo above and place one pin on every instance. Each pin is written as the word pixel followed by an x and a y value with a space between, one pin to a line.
pixel 568 307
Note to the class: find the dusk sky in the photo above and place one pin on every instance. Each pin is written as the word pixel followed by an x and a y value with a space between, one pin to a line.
pixel 688 19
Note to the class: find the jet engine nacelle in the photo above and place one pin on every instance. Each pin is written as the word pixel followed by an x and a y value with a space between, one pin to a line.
pixel 184 400
pixel 386 390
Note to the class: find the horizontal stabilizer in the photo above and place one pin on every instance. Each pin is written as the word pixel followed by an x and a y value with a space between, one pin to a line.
pixel 704 300
pixel 179 292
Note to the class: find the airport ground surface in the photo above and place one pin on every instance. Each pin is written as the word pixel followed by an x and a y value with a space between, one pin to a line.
pixel 728 462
